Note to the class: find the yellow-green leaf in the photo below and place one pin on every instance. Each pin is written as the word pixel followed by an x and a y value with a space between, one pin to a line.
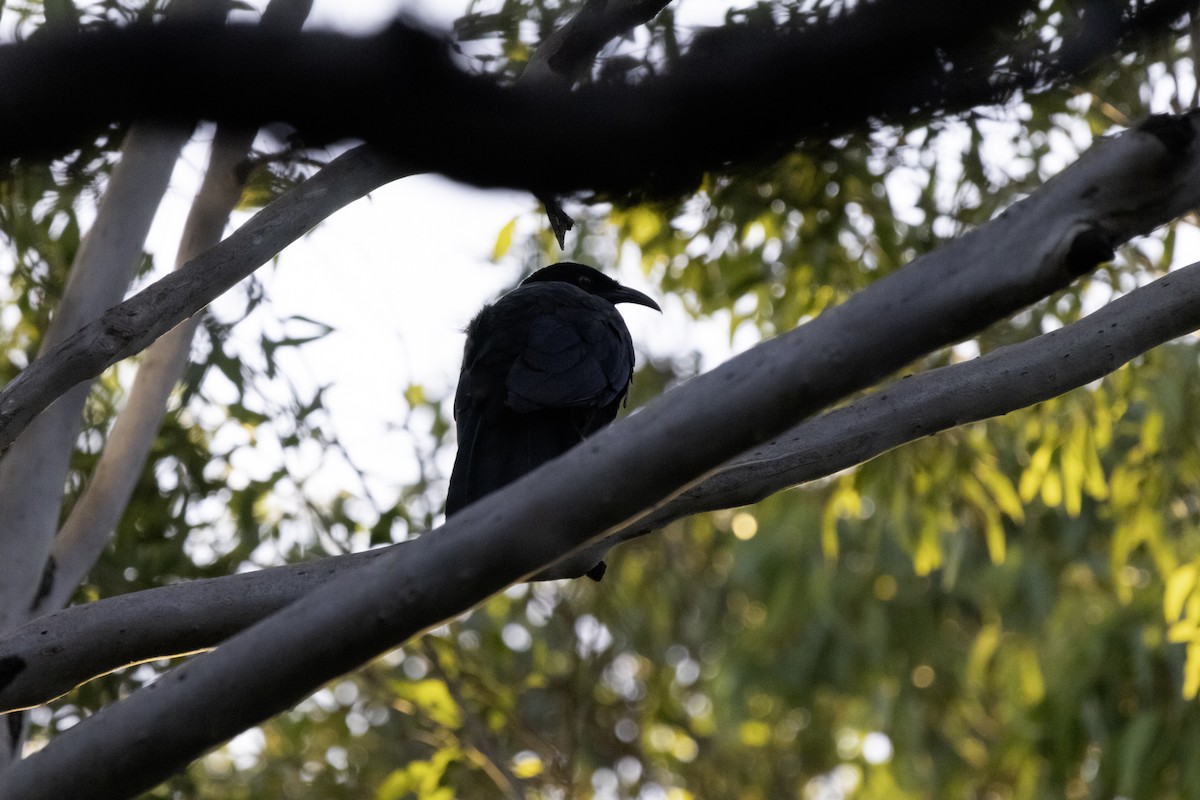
pixel 754 733
pixel 434 699
pixel 1002 491
pixel 1035 473
pixel 504 240
pixel 1033 683
pixel 1180 585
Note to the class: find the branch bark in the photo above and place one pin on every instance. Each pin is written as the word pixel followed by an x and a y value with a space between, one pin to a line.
pixel 55 652
pixel 1125 186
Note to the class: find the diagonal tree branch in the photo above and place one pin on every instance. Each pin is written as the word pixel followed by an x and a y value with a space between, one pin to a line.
pixel 54 653
pixel 129 327
pixel 1126 186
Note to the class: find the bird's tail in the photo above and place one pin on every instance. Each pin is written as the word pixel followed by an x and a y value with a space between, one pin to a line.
pixel 494 453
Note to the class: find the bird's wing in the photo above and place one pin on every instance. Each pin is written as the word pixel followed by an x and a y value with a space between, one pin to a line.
pixel 577 354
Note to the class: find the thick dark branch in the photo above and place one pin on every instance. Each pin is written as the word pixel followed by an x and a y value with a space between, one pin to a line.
pixel 401 92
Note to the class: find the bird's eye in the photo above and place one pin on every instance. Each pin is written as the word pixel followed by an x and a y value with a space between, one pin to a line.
pixel 585 281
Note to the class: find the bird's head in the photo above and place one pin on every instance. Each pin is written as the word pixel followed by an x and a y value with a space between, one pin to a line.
pixel 592 281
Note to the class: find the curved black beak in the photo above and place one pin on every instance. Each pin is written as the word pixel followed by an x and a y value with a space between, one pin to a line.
pixel 623 294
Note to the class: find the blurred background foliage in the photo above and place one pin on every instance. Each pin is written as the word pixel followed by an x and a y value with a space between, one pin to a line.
pixel 1008 609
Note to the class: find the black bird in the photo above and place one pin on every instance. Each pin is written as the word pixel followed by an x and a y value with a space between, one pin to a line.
pixel 545 366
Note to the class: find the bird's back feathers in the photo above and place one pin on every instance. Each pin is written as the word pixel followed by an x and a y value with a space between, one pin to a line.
pixel 545 366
